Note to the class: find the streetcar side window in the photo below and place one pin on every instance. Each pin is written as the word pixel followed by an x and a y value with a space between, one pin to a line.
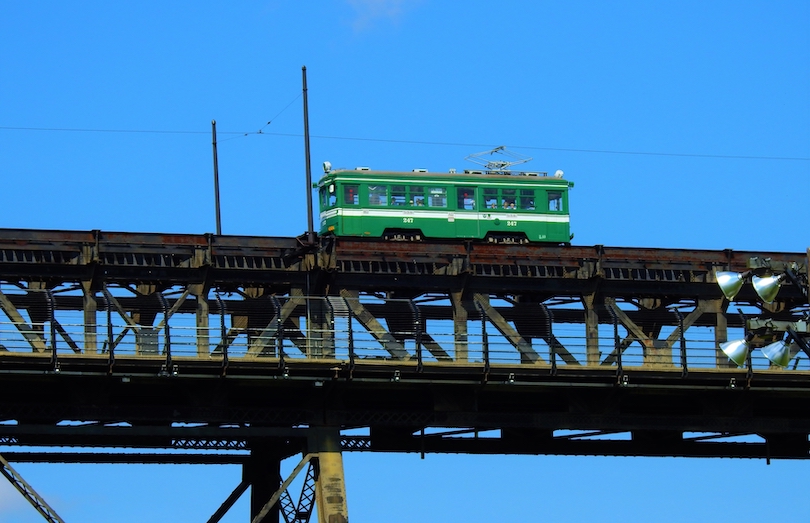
pixel 491 198
pixel 555 202
pixel 526 202
pixel 377 195
pixel 398 196
pixel 466 198
pixel 417 196
pixel 509 197
pixel 438 197
pixel 351 194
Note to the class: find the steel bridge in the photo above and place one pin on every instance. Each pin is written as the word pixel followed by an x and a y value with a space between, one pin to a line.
pixel 275 347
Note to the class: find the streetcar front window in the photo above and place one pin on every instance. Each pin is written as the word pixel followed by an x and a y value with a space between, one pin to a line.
pixel 351 195
pixel 328 196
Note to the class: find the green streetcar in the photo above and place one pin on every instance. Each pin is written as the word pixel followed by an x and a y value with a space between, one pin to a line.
pixel 495 206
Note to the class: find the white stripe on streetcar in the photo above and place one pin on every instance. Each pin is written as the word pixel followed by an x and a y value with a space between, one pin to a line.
pixel 445 215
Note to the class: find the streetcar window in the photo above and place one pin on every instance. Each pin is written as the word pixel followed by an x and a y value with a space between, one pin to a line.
pixel 509 197
pixel 491 198
pixel 351 195
pixel 526 200
pixel 438 197
pixel 398 197
pixel 378 195
pixel 555 201
pixel 466 198
pixel 417 196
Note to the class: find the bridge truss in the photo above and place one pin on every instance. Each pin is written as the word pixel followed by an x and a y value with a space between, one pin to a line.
pixel 263 348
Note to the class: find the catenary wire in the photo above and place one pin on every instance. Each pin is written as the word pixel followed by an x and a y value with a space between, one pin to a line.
pixel 418 142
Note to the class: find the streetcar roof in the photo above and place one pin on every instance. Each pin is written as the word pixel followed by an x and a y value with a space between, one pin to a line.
pixel 478 177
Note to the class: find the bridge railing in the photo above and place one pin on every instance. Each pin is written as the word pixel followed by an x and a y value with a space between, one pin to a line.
pixel 351 329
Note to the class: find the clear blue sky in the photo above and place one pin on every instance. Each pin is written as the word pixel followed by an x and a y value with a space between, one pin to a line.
pixel 701 111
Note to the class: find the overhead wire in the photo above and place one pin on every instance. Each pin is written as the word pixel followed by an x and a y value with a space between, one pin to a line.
pixel 415 142
pixel 279 113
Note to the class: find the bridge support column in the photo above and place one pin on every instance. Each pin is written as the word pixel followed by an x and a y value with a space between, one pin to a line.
pixel 200 293
pixel 330 486
pixel 90 306
pixel 320 328
pixel 460 327
pixel 591 330
pixel 263 472
pixel 718 309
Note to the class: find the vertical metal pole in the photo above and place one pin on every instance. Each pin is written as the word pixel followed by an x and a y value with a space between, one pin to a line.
pixel 167 341
pixel 223 332
pixel 417 325
pixel 748 337
pixel 310 224
pixel 52 321
pixel 552 348
pixel 350 334
pixel 484 339
pixel 617 346
pixel 216 175
pixel 110 341
pixel 684 366
pixel 282 364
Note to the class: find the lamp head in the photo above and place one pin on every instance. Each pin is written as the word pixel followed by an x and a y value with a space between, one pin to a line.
pixel 768 286
pixel 736 351
pixel 730 283
pixel 778 353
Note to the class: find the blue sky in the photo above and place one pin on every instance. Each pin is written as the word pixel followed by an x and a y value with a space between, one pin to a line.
pixel 683 124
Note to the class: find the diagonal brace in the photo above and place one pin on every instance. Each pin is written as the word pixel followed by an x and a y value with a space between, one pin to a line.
pixel 275 497
pixel 33 337
pixel 527 353
pixel 28 492
pixel 373 326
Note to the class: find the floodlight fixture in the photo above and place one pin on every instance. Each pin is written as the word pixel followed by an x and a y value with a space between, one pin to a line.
pixel 768 286
pixel 736 350
pixel 779 353
pixel 730 282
